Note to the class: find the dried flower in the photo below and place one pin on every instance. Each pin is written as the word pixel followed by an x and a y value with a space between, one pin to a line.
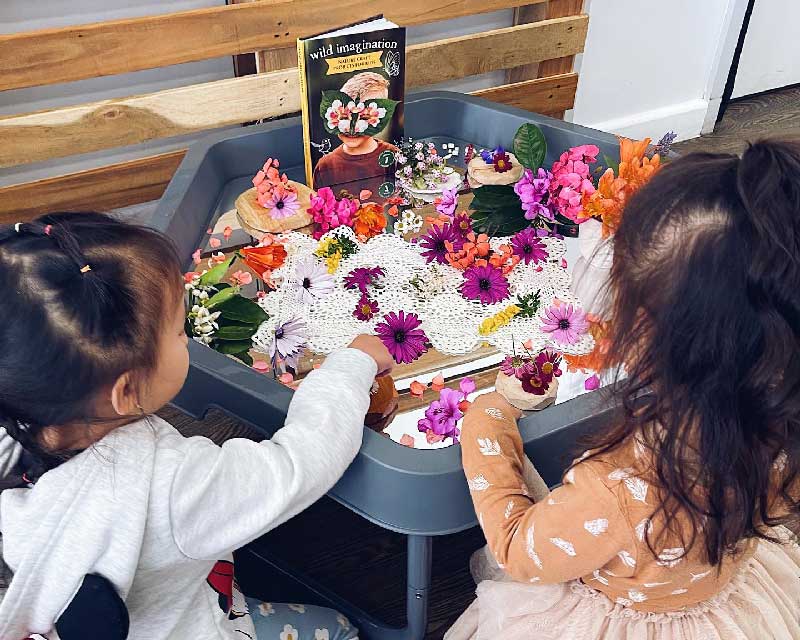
pixel 527 245
pixel 401 334
pixel 366 308
pixel 566 323
pixel 485 283
pixel 313 281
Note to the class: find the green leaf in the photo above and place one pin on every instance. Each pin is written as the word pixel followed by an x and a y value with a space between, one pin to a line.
pixel 215 275
pixel 530 146
pixel 232 347
pixel 493 197
pixel 384 103
pixel 611 164
pixel 235 332
pixel 221 296
pixel 499 222
pixel 244 357
pixel 328 98
pixel 241 309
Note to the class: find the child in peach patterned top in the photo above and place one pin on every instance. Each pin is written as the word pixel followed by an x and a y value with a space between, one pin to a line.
pixel 672 525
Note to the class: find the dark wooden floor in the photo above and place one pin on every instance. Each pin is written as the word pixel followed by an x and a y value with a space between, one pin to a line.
pixel 356 558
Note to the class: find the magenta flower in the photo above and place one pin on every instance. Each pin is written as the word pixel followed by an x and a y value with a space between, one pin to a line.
pixel 547 364
pixel 365 308
pixel 462 224
pixel 435 243
pixel 533 383
pixel 446 205
pixel 532 192
pixel 328 213
pixel 516 367
pixel 591 383
pixel 486 283
pixel 566 323
pixel 442 416
pixel 362 277
pixel 402 336
pixel 571 180
pixel 527 245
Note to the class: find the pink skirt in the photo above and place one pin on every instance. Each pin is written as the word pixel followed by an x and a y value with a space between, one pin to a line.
pixel 761 601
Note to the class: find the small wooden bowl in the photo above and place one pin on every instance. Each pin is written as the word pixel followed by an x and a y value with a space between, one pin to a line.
pixel 256 220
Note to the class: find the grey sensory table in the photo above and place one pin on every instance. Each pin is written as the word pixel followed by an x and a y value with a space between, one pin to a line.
pixel 384 474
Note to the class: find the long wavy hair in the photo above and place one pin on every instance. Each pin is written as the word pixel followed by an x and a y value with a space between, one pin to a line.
pixel 704 308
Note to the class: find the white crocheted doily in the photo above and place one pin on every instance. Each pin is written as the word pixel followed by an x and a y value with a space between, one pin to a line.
pixel 411 284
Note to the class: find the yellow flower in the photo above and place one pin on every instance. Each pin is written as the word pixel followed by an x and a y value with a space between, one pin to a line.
pixel 500 319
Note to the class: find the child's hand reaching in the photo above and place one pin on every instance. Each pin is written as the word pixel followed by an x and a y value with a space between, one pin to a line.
pixel 374 348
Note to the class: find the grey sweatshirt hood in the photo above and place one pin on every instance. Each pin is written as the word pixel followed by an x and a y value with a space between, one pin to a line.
pixel 86 516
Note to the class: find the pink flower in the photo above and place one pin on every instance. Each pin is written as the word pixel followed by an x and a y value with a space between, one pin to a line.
pixel 571 180
pixel 196 257
pixel 282 204
pixel 407 440
pixel 566 323
pixel 328 214
pixel 366 308
pixel 532 192
pixel 215 243
pixel 402 336
pixel 446 204
pixel 467 386
pixel 241 278
pixel 592 383
pixel 442 416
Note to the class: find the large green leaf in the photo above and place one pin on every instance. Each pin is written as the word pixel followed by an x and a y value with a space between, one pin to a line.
pixel 241 309
pixel 231 347
pixel 530 146
pixel 235 332
pixel 216 274
pixel 493 197
pixel 499 222
pixel 221 296
pixel 244 357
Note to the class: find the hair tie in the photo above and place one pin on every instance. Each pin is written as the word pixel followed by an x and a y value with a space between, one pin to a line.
pixel 85 268
pixel 47 229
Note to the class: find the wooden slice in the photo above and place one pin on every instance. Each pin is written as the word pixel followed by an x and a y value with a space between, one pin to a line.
pixel 256 218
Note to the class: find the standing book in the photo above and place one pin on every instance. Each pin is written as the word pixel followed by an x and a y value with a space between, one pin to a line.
pixel 352 82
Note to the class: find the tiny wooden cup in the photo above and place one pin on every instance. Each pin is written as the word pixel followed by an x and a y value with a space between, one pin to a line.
pixel 383 404
pixel 511 389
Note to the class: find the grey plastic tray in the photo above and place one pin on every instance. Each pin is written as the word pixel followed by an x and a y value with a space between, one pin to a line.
pixel 414 492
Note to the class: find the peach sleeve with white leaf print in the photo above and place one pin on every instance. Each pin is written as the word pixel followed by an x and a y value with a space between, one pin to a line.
pixel 575 531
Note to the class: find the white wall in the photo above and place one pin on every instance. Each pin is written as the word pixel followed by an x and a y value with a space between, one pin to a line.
pixel 771 53
pixel 650 66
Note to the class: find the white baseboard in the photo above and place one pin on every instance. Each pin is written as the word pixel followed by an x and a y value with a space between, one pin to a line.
pixel 685 118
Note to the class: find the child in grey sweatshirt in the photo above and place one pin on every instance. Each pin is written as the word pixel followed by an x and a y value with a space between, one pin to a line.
pixel 95 484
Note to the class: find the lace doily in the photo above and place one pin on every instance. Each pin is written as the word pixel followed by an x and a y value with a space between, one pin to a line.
pixel 411 284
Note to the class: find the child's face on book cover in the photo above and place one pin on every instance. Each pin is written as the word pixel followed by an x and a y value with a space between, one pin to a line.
pixel 356 144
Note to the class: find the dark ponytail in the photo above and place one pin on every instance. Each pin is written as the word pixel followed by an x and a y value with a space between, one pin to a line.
pixel 85 298
pixel 706 315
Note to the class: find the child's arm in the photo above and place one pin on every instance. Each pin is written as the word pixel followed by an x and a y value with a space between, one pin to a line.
pixel 224 497
pixel 578 528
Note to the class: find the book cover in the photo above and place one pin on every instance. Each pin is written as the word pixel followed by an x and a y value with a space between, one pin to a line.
pixel 353 83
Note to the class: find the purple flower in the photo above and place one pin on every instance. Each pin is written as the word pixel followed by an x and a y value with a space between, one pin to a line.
pixel 547 363
pixel 462 224
pixel 486 156
pixel 566 323
pixel 527 245
pixel 487 284
pixel 402 337
pixel 365 308
pixel 361 277
pixel 435 241
pixel 446 205
pixel 442 416
pixel 591 383
pixel 664 145
pixel 532 191
pixel 289 342
pixel 516 366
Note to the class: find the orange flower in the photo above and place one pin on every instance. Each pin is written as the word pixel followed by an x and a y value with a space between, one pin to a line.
pixel 634 167
pixel 596 359
pixel 607 201
pixel 263 260
pixel 369 220
pixel 472 253
pixel 504 259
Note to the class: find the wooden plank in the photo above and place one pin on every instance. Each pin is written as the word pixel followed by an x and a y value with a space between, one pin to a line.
pixel 546 95
pixel 106 188
pixel 50 56
pixel 526 15
pixel 560 64
pixel 111 123
pixel 474 54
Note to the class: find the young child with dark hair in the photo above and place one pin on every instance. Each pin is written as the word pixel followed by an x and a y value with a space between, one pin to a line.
pixel 674 523
pixel 113 524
